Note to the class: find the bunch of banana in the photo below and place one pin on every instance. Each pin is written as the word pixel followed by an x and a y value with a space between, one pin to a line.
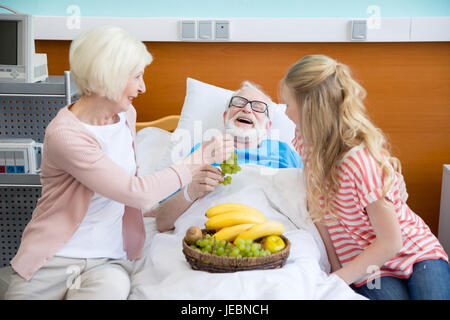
pixel 236 220
pixel 230 233
pixel 269 228
pixel 231 207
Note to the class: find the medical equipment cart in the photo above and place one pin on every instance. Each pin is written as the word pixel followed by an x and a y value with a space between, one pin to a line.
pixel 25 111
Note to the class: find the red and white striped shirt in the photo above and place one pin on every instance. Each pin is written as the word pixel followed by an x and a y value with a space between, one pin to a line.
pixel 360 183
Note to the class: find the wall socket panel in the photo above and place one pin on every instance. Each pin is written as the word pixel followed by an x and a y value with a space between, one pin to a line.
pixel 358 30
pixel 205 30
pixel 222 30
pixel 188 30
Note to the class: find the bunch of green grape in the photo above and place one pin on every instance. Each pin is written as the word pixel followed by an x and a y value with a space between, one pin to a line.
pixel 229 166
pixel 242 248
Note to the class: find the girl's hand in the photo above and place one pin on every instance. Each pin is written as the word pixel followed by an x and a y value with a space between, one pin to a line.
pixel 204 181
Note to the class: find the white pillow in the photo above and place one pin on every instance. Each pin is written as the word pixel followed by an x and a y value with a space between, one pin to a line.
pixel 202 118
pixel 151 145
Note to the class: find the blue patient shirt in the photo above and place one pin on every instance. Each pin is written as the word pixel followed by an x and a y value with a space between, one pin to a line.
pixel 270 153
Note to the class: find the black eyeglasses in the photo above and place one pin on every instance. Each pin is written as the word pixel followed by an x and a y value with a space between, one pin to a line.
pixel 241 102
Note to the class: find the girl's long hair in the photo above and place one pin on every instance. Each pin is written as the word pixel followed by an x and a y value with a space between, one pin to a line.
pixel 333 119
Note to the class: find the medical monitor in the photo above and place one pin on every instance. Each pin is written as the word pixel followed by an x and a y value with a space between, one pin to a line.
pixel 18 60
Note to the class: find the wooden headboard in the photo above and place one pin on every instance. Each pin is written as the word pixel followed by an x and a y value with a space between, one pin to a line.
pixel 407 83
pixel 168 123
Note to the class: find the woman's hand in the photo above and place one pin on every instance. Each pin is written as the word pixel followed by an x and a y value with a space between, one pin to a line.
pixel 216 150
pixel 204 181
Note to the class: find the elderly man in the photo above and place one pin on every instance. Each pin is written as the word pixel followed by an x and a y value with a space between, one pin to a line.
pixel 247 119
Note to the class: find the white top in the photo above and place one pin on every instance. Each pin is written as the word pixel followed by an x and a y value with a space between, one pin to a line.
pixel 100 233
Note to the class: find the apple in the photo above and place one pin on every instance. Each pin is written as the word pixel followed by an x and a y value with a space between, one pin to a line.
pixel 273 244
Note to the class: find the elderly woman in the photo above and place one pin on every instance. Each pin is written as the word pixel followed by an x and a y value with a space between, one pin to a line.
pixel 88 225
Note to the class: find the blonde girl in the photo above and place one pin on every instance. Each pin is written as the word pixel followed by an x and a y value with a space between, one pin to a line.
pixel 355 190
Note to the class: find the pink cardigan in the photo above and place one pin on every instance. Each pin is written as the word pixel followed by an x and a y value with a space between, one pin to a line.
pixel 73 168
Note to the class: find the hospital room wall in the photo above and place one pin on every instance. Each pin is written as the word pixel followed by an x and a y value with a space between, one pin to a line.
pixel 407 83
pixel 234 8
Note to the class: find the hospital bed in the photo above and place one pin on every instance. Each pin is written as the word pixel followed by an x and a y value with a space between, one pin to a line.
pixel 163 273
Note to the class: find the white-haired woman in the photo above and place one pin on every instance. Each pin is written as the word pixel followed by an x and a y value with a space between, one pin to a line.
pixel 88 225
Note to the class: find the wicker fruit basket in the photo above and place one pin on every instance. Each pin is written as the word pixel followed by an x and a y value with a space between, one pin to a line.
pixel 220 264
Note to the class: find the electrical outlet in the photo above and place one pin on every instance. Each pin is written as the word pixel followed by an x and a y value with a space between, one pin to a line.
pixel 222 30
pixel 205 31
pixel 359 30
pixel 188 30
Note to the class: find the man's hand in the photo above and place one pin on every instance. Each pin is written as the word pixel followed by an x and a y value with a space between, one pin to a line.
pixel 204 181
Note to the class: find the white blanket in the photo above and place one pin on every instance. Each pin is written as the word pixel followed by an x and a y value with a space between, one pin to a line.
pixel 163 272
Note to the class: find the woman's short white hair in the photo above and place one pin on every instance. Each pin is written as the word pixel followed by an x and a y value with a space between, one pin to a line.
pixel 250 85
pixel 103 59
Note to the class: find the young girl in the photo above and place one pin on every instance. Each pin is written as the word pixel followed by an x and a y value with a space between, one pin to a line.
pixel 355 189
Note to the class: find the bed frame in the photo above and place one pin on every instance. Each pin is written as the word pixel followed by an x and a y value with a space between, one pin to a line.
pixel 168 123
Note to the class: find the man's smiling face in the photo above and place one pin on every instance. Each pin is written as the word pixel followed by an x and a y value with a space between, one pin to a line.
pixel 245 123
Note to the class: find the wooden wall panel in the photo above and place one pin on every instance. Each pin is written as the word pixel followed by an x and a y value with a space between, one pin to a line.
pixel 408 88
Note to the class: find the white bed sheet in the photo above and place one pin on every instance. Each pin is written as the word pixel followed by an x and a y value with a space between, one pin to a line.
pixel 163 272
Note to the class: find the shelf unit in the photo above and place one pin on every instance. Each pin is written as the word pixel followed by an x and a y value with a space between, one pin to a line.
pixel 25 111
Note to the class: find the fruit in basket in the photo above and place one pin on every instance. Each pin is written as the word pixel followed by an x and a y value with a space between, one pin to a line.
pixel 273 244
pixel 230 233
pixel 269 228
pixel 244 248
pixel 234 218
pixel 229 207
pixel 193 234
pixel 229 166
pixel 239 230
